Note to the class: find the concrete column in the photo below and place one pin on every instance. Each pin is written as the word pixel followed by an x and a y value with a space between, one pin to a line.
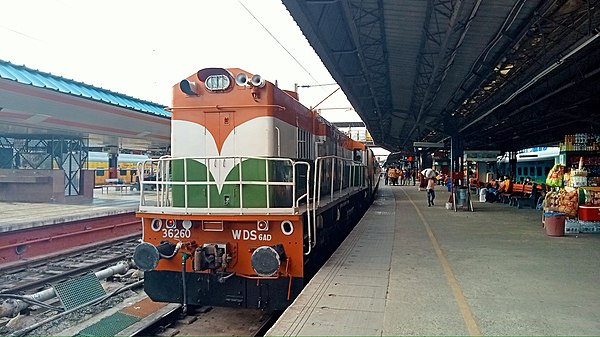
pixel 112 165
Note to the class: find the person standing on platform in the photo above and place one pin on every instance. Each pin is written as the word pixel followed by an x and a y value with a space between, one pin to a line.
pixel 392 176
pixel 387 175
pixel 430 191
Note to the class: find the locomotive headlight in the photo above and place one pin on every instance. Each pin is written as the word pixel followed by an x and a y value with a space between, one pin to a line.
pixel 217 82
pixel 156 224
pixel 287 227
pixel 262 225
pixel 187 224
pixel 267 259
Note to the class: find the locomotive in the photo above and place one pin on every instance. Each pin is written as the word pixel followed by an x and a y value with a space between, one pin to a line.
pixel 258 191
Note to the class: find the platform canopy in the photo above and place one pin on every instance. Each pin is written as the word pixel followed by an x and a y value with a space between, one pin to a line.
pixel 39 105
pixel 502 74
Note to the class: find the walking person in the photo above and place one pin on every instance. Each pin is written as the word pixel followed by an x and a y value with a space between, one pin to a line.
pixel 430 191
pixel 387 175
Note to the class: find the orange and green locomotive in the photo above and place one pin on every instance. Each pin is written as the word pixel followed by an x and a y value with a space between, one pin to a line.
pixel 257 192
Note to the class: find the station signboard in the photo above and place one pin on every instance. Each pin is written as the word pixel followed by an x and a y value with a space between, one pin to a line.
pixel 485 156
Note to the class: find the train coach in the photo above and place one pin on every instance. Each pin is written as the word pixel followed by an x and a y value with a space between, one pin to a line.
pixel 126 170
pixel 258 191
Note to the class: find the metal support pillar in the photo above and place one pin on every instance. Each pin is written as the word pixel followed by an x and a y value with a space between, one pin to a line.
pixel 112 165
pixel 46 152
pixel 512 165
pixel 113 156
pixel 456 160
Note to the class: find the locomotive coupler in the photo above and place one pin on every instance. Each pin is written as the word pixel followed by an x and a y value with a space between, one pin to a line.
pixel 212 257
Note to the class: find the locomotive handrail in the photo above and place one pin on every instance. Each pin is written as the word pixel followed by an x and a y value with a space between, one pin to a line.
pixel 318 182
pixel 164 183
pixel 307 195
pixel 219 107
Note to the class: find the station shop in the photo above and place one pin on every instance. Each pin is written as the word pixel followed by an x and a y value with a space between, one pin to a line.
pixel 573 184
pixel 567 176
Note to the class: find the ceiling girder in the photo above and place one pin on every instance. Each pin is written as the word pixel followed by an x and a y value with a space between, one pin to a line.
pixel 455 81
pixel 445 28
pixel 526 59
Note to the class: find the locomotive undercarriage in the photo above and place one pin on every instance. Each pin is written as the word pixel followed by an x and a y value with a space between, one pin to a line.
pixel 205 289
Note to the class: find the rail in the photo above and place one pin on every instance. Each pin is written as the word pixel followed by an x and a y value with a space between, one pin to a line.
pixel 223 185
pixel 247 185
pixel 344 174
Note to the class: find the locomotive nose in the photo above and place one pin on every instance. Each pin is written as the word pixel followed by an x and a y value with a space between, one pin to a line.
pixel 267 259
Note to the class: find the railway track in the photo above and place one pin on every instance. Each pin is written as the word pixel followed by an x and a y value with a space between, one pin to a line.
pixel 209 321
pixel 31 275
pixel 31 278
pixel 26 276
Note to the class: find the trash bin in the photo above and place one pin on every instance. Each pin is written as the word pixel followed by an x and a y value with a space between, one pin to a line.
pixel 462 196
pixel 555 223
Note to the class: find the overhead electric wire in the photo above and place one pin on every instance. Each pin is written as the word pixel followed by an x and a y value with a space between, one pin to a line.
pixel 316 85
pixel 20 33
pixel 278 42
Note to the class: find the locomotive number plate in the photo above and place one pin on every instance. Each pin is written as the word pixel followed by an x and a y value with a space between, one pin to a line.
pixel 250 235
pixel 174 233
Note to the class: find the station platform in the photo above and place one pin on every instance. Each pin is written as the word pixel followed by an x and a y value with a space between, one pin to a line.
pixel 410 269
pixel 20 215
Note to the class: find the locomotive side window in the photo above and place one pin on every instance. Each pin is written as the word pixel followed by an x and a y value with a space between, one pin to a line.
pixel 304 144
pixel 99 172
pixel 357 155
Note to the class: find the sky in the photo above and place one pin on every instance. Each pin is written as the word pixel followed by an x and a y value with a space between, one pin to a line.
pixel 143 48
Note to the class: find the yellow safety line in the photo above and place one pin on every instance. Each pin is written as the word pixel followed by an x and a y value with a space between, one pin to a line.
pixel 463 306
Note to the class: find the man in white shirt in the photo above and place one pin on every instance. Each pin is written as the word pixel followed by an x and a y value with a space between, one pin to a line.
pixel 430 191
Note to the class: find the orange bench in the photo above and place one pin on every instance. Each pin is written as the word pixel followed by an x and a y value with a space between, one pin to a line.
pixel 528 197
pixel 514 190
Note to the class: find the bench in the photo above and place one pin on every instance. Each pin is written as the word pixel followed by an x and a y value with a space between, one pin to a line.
pixel 528 198
pixel 514 190
pixel 118 187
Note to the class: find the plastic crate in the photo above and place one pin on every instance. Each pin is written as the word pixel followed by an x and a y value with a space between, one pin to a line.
pixel 589 213
pixel 572 226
